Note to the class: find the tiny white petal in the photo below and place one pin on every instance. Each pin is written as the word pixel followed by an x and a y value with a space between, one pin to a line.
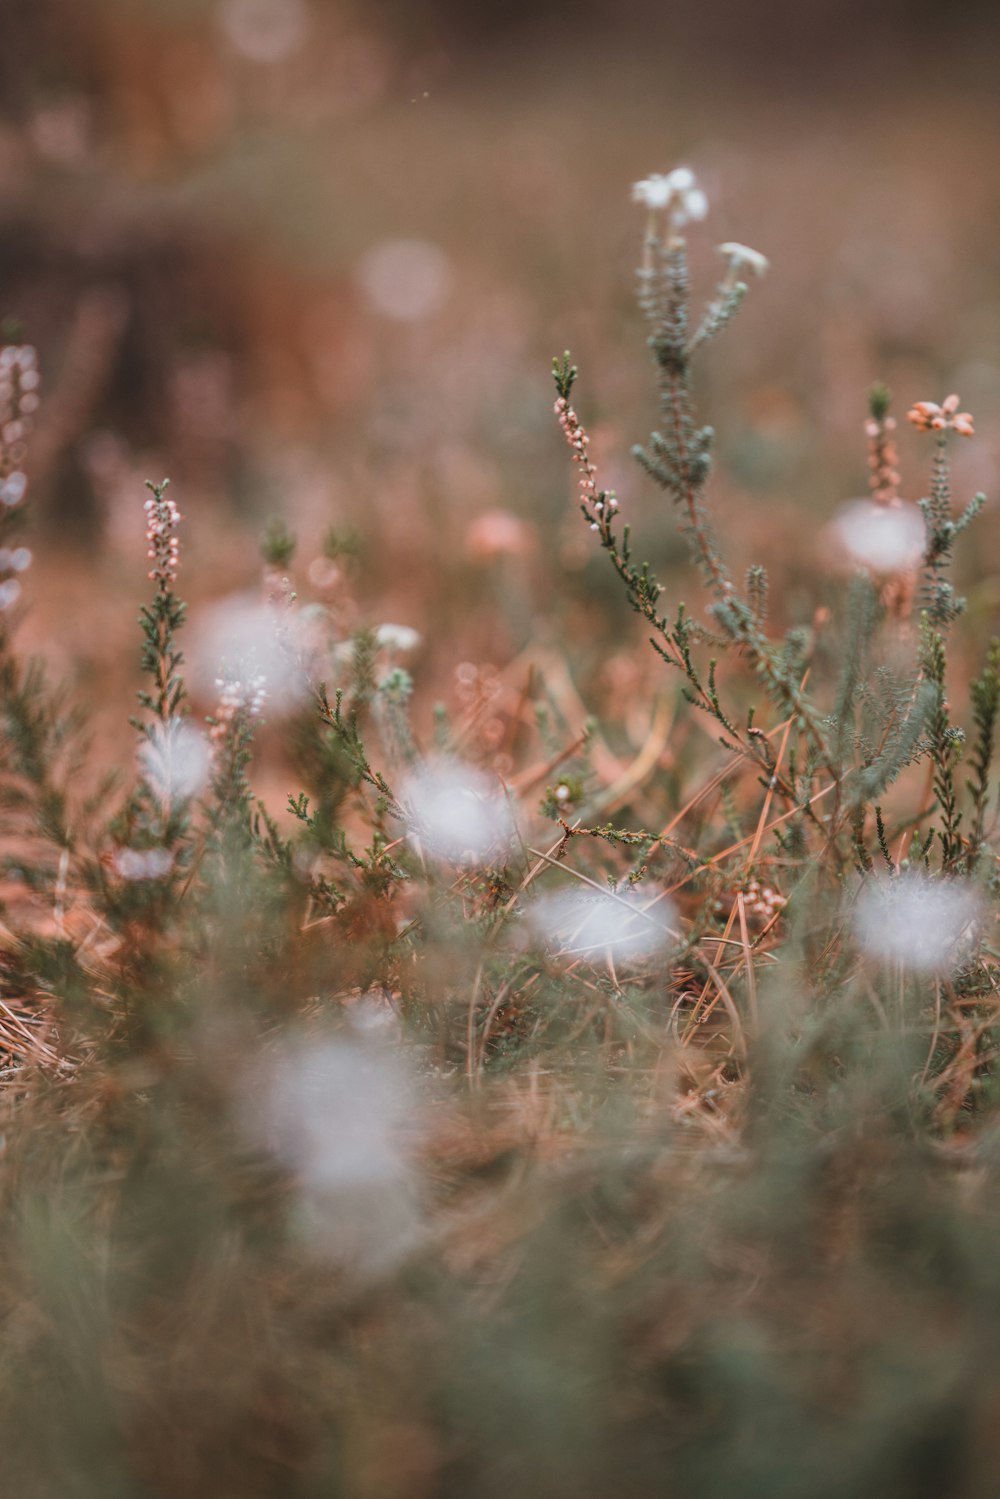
pixel 740 256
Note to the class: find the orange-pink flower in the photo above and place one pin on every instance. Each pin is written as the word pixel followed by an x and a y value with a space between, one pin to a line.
pixel 929 417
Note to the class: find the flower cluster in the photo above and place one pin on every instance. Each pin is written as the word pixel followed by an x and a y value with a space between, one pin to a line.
pixel 162 520
pixel 575 434
pixel 677 192
pixel 761 902
pixel 883 460
pixel 236 699
pixel 928 416
pixel 18 404
pixel 19 381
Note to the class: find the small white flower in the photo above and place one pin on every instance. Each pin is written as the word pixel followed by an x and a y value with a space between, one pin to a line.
pixel 886 539
pixel 681 179
pixel 340 1114
pixel 655 191
pixel 143 864
pixel 692 205
pixel 741 257
pixel 175 760
pixel 597 924
pixel 398 637
pixel 918 922
pixel 457 813
pixel 677 191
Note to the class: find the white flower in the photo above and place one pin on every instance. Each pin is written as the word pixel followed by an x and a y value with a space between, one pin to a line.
pixel 677 191
pixel 397 637
pixel 623 925
pixel 338 1113
pixel 244 640
pixel 406 279
pixel 143 864
pixel 655 191
pixel 741 257
pixel 457 813
pixel 175 760
pixel 917 922
pixel 886 539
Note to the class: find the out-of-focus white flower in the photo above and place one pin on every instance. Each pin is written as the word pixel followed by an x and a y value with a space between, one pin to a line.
pixel 265 31
pixel 337 1114
pixel 886 539
pixel 142 863
pixel 10 592
pixel 12 490
pixel 921 923
pixel 405 279
pixel 243 640
pixel 742 258
pixel 398 637
pixel 457 813
pixel 598 924
pixel 677 191
pixel 655 191
pixel 175 760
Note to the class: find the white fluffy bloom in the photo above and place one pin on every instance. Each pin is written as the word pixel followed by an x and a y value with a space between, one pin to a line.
pixel 175 760
pixel 885 539
pixel 655 191
pixel 337 1114
pixel 265 31
pixel 142 863
pixel 398 637
pixel 918 922
pixel 244 640
pixel 457 813
pixel 405 279
pixel 741 258
pixel 677 190
pixel 598 924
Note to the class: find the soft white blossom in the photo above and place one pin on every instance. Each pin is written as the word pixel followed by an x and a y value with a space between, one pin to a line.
pixel 457 813
pixel 885 539
pixel 265 31
pixel 585 922
pixel 259 645
pixel 921 923
pixel 398 637
pixel 405 279
pixel 337 1114
pixel 175 759
pixel 677 191
pixel 142 863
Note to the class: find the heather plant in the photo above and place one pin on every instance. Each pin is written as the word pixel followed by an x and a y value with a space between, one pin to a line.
pixel 563 1131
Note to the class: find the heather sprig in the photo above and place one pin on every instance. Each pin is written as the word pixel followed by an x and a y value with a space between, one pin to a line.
pixel 162 618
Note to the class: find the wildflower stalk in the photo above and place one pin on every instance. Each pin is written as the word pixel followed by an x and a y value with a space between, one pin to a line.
pixel 162 618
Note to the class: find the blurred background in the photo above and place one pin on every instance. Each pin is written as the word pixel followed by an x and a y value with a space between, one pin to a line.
pixel 312 258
